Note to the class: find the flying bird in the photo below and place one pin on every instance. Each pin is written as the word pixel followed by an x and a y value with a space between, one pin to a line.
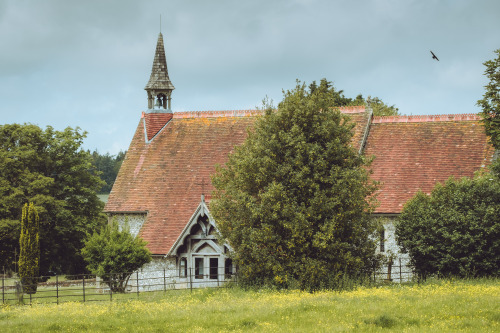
pixel 434 56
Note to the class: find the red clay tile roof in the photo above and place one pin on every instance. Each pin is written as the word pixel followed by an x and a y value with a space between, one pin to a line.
pixel 166 175
pixel 154 122
pixel 415 152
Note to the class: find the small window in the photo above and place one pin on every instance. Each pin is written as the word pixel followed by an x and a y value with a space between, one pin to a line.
pixel 183 267
pixel 198 268
pixel 382 240
pixel 214 267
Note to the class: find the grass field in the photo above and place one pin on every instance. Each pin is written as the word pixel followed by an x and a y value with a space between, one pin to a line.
pixel 438 306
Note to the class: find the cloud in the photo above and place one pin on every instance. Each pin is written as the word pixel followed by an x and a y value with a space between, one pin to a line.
pixel 67 63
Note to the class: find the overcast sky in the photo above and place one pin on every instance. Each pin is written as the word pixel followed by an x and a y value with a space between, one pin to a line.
pixel 85 63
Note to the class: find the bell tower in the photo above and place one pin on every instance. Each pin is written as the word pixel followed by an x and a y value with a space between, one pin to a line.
pixel 159 87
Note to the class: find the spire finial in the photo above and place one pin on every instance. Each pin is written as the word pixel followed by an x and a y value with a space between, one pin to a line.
pixel 160 23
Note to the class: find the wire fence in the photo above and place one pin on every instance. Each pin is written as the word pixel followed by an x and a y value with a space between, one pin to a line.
pixel 398 270
pixel 90 288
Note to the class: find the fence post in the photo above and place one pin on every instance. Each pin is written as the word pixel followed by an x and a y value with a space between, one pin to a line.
pixel 3 287
pixel 83 284
pixel 400 272
pixel 110 288
pixel 137 280
pixel 57 289
pixel 164 281
pixel 190 279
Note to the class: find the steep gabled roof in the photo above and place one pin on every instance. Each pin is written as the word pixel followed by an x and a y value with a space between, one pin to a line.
pixel 169 163
pixel 415 152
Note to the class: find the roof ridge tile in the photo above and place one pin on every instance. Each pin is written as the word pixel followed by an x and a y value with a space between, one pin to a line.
pixel 426 118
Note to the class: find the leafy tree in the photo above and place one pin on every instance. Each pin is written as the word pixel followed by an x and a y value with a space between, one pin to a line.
pixel 454 231
pixel 490 103
pixel 292 199
pixel 48 167
pixel 108 165
pixel 114 255
pixel 379 108
pixel 9 244
pixel 29 257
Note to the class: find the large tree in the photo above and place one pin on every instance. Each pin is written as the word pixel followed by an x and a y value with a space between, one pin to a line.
pixel 108 165
pixel 379 108
pixel 49 168
pixel 490 103
pixel 292 201
pixel 454 231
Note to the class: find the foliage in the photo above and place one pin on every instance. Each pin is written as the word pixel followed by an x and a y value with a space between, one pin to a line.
pixel 292 199
pixel 454 231
pixel 108 165
pixel 379 108
pixel 47 167
pixel 490 104
pixel 9 244
pixel 114 254
pixel 29 256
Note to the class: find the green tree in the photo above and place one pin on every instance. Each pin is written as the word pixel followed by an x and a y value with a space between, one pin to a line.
pixel 379 108
pixel 9 244
pixel 454 231
pixel 114 254
pixel 29 257
pixel 49 168
pixel 108 166
pixel 490 104
pixel 292 199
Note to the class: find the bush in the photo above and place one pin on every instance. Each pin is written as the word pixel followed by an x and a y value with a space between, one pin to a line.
pixel 114 254
pixel 454 231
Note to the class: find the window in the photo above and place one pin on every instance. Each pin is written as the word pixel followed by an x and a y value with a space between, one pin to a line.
pixel 183 267
pixel 228 268
pixel 382 240
pixel 214 266
pixel 198 268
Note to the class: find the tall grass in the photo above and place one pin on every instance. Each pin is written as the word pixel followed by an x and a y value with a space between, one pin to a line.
pixel 435 306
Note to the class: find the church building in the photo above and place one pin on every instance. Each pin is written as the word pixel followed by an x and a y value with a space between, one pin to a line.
pixel 162 192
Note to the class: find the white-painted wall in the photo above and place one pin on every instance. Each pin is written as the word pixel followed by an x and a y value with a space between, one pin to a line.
pixel 392 250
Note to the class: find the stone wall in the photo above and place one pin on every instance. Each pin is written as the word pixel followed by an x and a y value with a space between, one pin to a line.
pixel 132 221
pixel 159 274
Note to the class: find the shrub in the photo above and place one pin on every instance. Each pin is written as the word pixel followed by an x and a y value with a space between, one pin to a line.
pixel 454 231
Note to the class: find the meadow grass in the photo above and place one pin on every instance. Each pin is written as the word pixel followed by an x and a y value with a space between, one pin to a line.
pixel 436 306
